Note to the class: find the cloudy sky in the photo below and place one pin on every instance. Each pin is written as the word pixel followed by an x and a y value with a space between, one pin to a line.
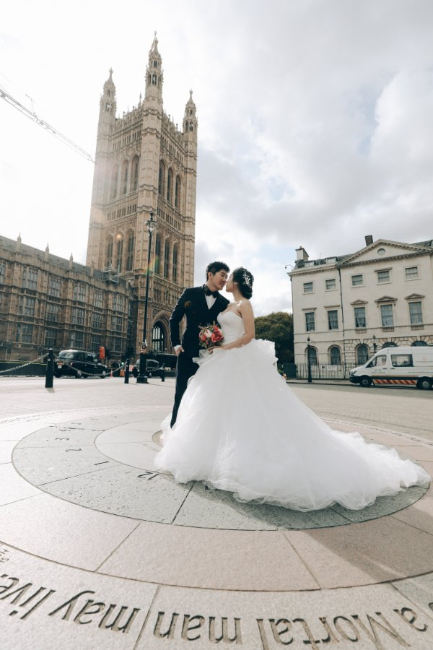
pixel 315 121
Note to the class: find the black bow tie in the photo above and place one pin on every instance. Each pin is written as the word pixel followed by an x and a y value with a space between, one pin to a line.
pixel 208 292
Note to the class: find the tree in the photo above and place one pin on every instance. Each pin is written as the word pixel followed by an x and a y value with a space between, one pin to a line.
pixel 277 327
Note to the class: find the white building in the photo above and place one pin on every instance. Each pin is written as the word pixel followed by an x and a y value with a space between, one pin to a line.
pixel 351 305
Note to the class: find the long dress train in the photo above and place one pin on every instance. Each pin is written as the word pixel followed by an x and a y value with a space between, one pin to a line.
pixel 241 428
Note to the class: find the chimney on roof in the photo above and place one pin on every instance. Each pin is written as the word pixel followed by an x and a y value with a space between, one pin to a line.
pixel 368 240
pixel 301 254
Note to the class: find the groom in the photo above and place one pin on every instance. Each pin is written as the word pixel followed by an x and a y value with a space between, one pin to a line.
pixel 200 306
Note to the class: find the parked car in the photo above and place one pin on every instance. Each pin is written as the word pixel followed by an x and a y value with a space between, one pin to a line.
pixel 153 368
pixel 398 366
pixel 78 363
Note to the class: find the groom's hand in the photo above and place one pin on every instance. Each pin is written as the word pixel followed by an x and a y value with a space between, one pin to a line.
pixel 178 349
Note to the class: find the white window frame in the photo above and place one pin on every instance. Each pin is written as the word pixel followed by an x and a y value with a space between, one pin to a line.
pixel 415 302
pixel 360 327
pixel 332 311
pixel 310 329
pixel 415 277
pixel 392 315
pixel 357 284
pixel 388 278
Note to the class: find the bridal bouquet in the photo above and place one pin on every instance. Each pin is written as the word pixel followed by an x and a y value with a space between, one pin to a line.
pixel 210 336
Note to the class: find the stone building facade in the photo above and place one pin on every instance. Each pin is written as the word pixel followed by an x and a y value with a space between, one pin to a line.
pixel 352 305
pixel 145 164
pixel 51 302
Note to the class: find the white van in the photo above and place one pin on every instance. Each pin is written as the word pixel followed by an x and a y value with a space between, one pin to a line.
pixel 406 366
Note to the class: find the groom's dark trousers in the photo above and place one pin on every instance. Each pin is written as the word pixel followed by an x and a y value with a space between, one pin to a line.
pixel 193 306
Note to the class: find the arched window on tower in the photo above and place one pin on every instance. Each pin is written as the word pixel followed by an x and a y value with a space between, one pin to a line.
pixel 169 184
pixel 161 179
pixel 109 259
pixel 158 254
pixel 175 263
pixel 114 182
pixel 134 174
pixel 158 338
pixel 166 258
pixel 177 193
pixel 154 80
pixel 119 252
pixel 125 177
pixel 130 251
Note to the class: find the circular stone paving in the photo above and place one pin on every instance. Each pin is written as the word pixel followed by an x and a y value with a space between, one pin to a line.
pixel 106 464
pixel 97 550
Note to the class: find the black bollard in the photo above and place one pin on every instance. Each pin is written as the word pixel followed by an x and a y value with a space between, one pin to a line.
pixel 49 375
pixel 162 373
pixel 127 371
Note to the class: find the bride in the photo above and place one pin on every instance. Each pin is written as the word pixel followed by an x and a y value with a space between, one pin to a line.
pixel 241 428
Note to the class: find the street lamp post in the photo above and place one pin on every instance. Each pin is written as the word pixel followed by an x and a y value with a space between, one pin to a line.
pixel 374 343
pixel 310 379
pixel 142 376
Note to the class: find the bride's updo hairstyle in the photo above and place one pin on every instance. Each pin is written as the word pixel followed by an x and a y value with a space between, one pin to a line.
pixel 244 280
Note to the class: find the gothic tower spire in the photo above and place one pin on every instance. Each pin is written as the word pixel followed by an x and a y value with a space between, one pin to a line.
pixel 107 119
pixel 108 97
pixel 190 117
pixel 154 73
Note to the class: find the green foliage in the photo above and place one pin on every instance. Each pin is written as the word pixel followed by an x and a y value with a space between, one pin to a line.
pixel 277 327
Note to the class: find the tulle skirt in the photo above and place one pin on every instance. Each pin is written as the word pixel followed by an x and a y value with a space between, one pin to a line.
pixel 241 428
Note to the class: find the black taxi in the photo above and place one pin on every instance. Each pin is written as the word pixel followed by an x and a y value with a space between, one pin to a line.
pixel 79 363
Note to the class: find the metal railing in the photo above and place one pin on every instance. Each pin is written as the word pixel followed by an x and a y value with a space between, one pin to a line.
pixel 324 370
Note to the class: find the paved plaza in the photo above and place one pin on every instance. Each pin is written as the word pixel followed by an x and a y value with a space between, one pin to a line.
pixel 99 550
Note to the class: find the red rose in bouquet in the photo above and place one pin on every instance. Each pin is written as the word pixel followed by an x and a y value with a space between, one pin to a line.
pixel 210 336
pixel 216 336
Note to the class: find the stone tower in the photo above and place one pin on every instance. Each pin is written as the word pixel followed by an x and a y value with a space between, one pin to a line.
pixel 144 163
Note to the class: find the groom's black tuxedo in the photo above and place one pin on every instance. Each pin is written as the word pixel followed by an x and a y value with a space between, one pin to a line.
pixel 192 304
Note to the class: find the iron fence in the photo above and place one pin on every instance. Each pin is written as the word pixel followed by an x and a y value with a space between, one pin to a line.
pixel 319 371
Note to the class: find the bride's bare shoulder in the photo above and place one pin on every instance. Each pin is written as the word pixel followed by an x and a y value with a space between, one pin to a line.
pixel 245 305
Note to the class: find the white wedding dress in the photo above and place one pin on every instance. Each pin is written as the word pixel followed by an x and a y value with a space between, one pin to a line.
pixel 241 428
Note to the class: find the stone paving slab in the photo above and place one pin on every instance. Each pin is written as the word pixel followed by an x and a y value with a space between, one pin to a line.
pixel 13 486
pixel 210 559
pixel 40 467
pixel 124 491
pixel 369 617
pixel 417 452
pixel 375 551
pixel 62 532
pixel 47 606
pixel 6 448
pixel 217 509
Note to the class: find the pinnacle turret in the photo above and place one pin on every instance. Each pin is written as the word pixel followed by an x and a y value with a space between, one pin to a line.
pixel 190 118
pixel 154 73
pixel 108 97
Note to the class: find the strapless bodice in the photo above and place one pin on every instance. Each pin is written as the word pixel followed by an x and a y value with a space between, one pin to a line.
pixel 232 326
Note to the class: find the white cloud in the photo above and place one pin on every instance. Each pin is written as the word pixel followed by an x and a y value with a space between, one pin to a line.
pixel 314 121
